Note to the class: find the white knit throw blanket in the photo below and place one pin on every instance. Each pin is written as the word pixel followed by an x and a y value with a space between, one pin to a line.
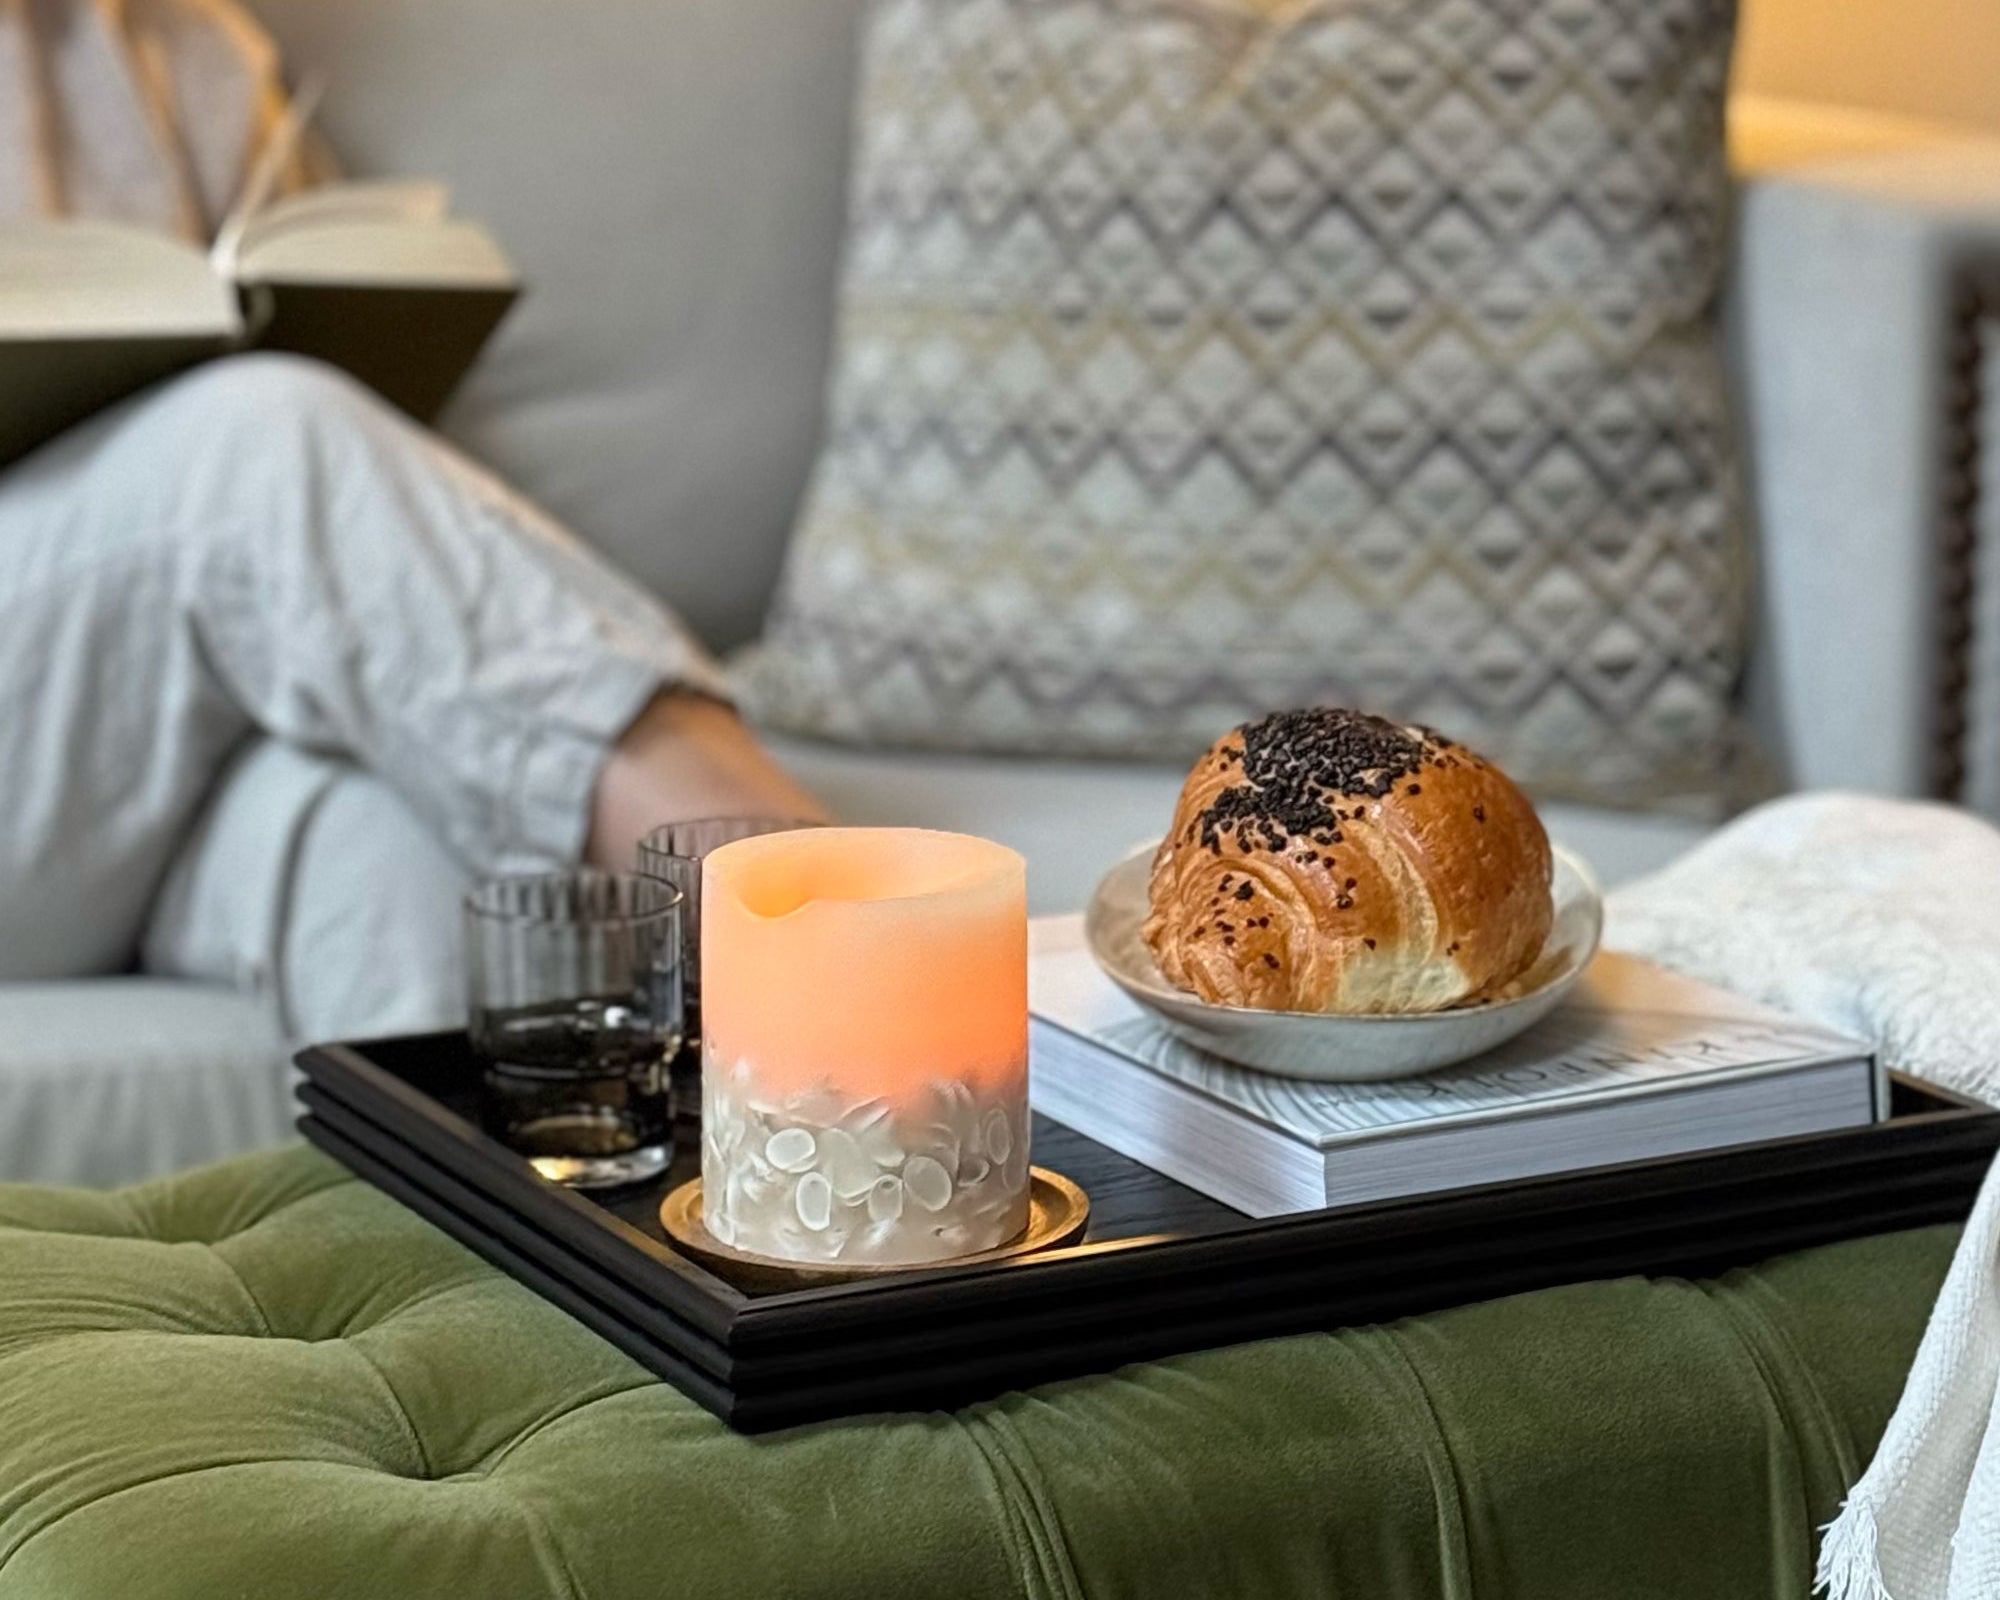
pixel 1881 918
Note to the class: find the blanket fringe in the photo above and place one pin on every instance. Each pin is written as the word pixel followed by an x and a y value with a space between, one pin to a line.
pixel 1850 1567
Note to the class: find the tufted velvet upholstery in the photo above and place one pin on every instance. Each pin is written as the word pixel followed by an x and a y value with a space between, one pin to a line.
pixel 263 1379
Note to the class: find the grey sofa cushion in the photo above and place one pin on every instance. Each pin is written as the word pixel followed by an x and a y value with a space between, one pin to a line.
pixel 120 1078
pixel 669 177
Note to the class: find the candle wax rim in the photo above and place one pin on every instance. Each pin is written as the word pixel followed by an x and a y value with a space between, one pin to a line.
pixel 975 873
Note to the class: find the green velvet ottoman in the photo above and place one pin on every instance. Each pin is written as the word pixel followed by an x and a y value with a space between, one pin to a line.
pixel 265 1379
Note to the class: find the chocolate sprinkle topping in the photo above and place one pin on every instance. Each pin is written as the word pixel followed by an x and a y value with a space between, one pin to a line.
pixel 1296 763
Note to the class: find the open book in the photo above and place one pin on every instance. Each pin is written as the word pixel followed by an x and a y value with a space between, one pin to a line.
pixel 1638 1062
pixel 377 278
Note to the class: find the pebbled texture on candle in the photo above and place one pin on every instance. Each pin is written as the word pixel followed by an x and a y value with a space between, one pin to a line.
pixel 864 1015
pixel 812 1177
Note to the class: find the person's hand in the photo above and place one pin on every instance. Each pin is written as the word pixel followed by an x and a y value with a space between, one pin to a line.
pixel 686 756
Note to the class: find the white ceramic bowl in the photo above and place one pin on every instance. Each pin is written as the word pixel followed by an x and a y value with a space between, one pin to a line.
pixel 1302 1044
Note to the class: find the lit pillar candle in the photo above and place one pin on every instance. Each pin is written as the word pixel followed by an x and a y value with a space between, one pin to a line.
pixel 864 1045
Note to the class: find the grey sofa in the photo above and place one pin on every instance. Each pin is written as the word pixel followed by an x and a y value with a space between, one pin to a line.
pixel 669 175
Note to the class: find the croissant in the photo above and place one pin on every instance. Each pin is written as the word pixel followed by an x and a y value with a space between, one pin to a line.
pixel 1331 861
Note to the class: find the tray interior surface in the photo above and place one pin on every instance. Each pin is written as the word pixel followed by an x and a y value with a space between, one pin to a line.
pixel 1131 1205
pixel 1128 1202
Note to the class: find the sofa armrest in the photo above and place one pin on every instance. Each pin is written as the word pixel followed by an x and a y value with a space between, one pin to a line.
pixel 1848 325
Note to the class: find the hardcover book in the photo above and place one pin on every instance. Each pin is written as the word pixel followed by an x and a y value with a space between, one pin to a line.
pixel 1639 1062
pixel 376 278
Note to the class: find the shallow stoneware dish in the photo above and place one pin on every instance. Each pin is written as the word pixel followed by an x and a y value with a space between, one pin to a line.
pixel 1333 1049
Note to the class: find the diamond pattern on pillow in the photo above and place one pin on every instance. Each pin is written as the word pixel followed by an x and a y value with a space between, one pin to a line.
pixel 1201 357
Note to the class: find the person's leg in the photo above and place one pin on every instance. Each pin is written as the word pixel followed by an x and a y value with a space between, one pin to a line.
pixel 263 546
pixel 311 884
pixel 373 940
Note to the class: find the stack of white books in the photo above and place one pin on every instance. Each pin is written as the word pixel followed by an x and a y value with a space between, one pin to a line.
pixel 1639 1062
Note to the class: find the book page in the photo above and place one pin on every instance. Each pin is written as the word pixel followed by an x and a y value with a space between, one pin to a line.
pixel 390 200
pixel 1631 1026
pixel 73 280
pixel 440 254
pixel 266 172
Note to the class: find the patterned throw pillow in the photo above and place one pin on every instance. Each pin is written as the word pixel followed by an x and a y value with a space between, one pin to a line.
pixel 1203 357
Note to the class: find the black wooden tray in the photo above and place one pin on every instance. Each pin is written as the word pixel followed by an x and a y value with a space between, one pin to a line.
pixel 1162 1269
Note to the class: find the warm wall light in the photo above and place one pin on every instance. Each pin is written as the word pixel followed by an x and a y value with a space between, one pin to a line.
pixel 865 1045
pixel 1935 60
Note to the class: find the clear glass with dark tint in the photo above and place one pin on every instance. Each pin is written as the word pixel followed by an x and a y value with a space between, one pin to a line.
pixel 575 981
pixel 673 854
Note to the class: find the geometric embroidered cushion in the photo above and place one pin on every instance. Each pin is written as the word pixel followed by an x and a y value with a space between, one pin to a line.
pixel 1201 357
